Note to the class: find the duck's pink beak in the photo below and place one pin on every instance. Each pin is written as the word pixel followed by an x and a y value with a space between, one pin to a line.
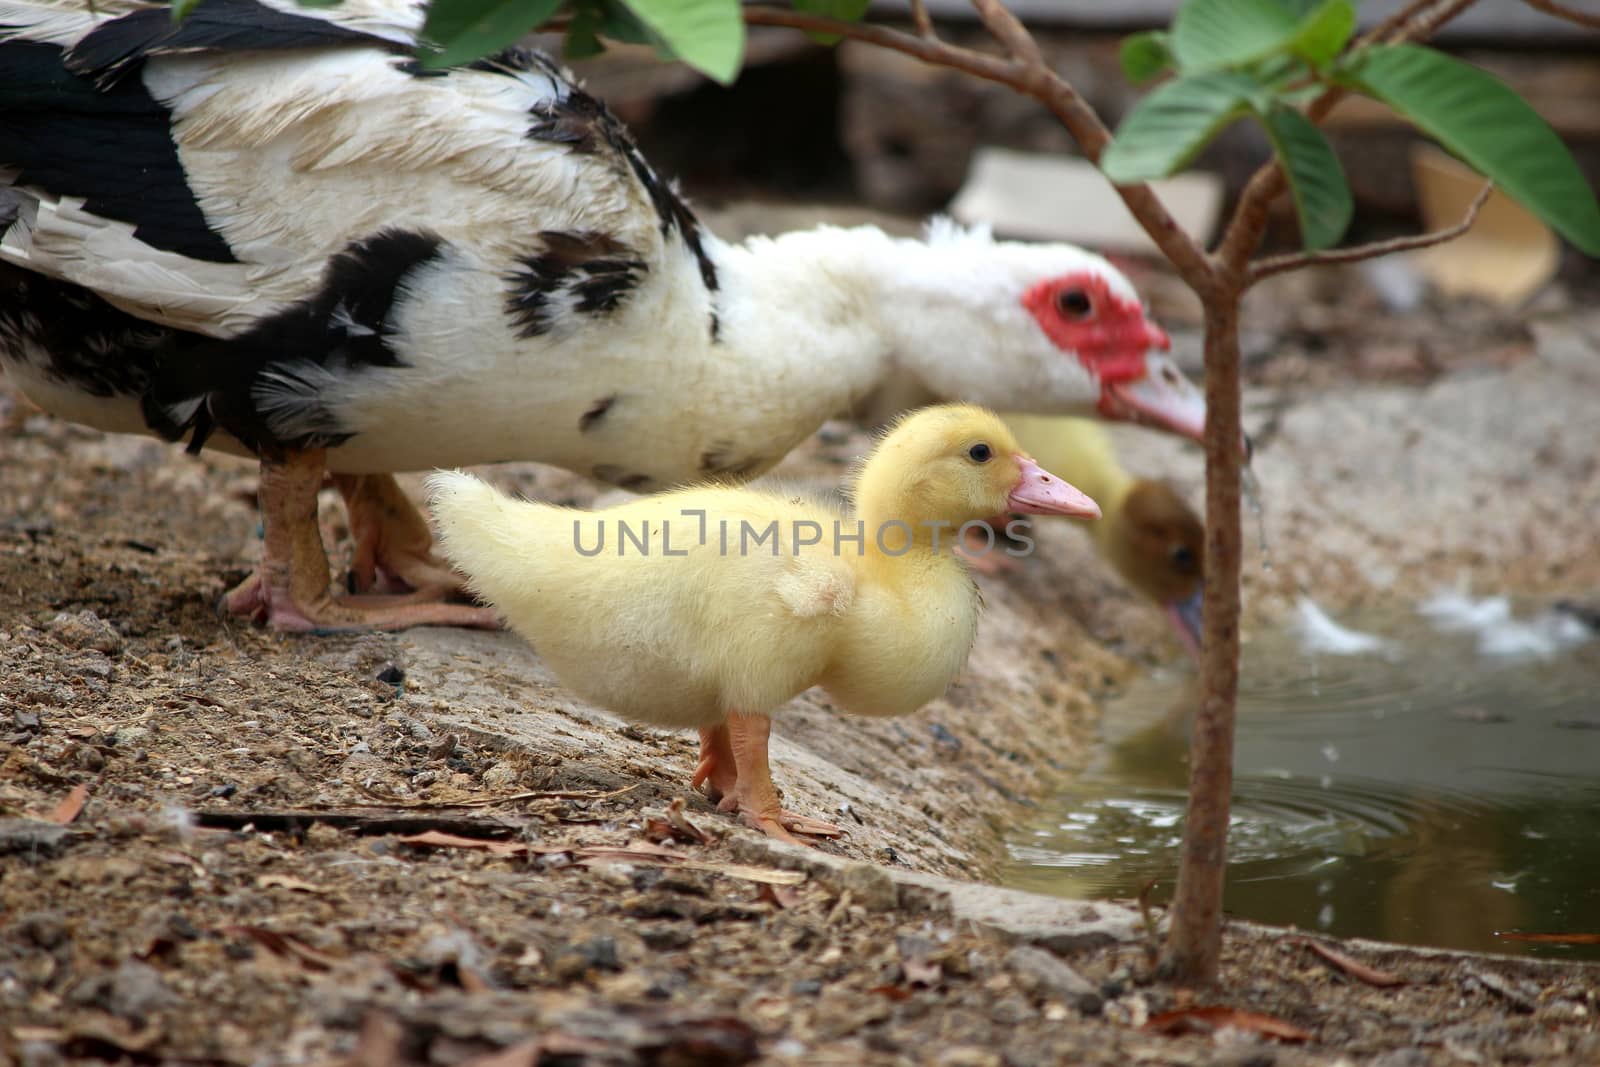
pixel 1042 493
pixel 1162 397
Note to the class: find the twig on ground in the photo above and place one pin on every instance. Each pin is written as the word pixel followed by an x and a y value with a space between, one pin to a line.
pixel 1353 967
pixel 357 821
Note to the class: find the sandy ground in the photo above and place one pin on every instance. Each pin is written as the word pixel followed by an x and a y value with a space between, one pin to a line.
pixel 238 886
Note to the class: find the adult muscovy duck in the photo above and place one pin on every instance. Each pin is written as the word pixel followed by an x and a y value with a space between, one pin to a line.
pixel 267 229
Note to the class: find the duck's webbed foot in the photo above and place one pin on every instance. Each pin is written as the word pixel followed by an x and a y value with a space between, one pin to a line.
pixel 393 545
pixel 290 589
pixel 752 794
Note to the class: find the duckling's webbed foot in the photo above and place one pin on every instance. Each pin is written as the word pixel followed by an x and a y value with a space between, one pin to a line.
pixel 752 793
pixel 393 545
pixel 290 589
pixel 717 770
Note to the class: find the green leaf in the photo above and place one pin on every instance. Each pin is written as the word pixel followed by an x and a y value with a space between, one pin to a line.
pixel 464 30
pixel 706 34
pixel 1480 119
pixel 1145 55
pixel 1324 31
pixel 1166 129
pixel 1216 34
pixel 848 10
pixel 620 24
pixel 583 32
pixel 1321 194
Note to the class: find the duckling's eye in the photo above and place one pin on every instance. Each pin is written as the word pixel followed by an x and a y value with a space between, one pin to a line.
pixel 1074 303
pixel 1183 557
pixel 980 453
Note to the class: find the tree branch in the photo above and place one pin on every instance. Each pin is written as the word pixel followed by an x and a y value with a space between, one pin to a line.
pixel 1379 34
pixel 920 19
pixel 1425 25
pixel 1194 932
pixel 1562 11
pixel 1010 32
pixel 1265 268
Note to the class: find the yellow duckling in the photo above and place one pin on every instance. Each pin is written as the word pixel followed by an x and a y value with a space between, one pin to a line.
pixel 711 607
pixel 1148 533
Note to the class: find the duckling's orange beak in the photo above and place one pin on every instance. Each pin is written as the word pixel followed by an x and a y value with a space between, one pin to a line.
pixel 1042 493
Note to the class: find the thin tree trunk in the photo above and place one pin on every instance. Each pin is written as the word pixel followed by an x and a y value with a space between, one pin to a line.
pixel 1195 939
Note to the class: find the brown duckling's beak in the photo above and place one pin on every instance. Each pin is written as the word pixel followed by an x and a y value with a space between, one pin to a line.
pixel 1042 493
pixel 1185 618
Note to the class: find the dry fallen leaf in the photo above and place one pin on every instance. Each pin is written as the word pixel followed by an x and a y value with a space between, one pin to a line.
pixel 1211 1018
pixel 681 823
pixel 284 881
pixel 38 1033
pixel 439 839
pixel 380 1042
pixel 916 965
pixel 70 805
pixel 181 859
pixel 112 1034
pixel 1353 967
pixel 779 896
pixel 766 875
pixel 287 947
pixel 522 1054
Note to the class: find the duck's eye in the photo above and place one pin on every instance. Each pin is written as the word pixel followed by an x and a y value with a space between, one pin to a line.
pixel 980 453
pixel 1074 303
pixel 1183 557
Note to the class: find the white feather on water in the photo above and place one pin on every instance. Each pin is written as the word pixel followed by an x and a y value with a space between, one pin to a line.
pixel 1320 634
pixel 1500 633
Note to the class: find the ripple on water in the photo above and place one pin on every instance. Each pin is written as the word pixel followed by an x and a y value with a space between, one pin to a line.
pixel 1430 795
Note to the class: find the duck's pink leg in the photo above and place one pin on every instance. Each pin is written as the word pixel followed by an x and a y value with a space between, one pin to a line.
pixel 290 589
pixel 393 545
pixel 753 795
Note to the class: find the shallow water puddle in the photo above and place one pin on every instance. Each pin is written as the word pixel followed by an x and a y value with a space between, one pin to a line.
pixel 1431 786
